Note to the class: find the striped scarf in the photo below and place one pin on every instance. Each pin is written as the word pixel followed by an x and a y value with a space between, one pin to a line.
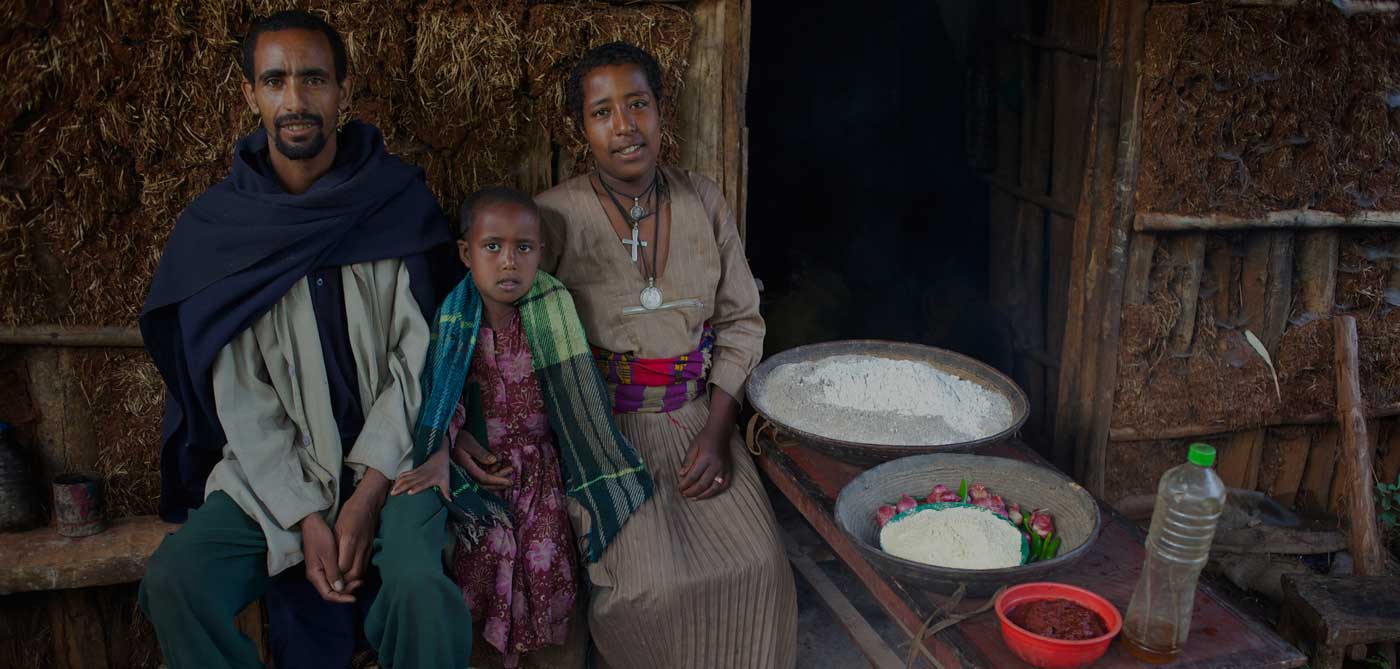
pixel 602 471
pixel 656 385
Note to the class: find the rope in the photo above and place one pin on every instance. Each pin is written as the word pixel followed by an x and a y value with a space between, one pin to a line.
pixel 755 430
pixel 929 628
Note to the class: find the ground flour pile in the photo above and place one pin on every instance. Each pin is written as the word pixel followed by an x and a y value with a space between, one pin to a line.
pixel 957 538
pixel 872 400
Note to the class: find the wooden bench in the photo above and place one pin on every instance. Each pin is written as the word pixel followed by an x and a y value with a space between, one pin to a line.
pixel 1334 613
pixel 42 560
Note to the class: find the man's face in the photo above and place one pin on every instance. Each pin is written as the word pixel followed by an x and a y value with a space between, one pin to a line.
pixel 294 91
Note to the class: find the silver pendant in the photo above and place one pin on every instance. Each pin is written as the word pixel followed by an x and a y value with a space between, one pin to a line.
pixel 651 296
pixel 637 211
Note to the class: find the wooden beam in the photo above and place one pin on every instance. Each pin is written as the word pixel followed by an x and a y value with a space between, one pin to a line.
pixel 1138 284
pixel 1293 460
pixel 71 335
pixel 874 648
pixel 1201 430
pixel 1051 45
pixel 1297 218
pixel 1025 196
pixel 1088 374
pixel 1364 539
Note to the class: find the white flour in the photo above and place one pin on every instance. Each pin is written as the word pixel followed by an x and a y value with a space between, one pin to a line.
pixel 957 538
pixel 872 400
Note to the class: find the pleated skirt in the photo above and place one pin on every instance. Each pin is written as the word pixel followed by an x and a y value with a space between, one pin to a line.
pixel 693 584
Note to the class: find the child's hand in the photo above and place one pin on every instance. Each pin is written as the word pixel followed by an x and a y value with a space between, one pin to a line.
pixel 488 470
pixel 427 475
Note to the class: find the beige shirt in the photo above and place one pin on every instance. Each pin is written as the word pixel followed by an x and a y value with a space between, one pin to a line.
pixel 706 277
pixel 283 458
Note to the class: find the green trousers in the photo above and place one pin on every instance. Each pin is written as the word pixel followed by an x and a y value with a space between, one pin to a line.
pixel 216 564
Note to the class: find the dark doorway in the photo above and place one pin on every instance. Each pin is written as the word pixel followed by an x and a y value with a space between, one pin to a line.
pixel 864 217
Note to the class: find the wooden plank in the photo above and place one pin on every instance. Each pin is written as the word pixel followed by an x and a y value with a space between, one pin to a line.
pixel 1025 195
pixel 1293 461
pixel 71 335
pixel 40 559
pixel 1074 23
pixel 1191 431
pixel 1188 259
pixel 701 102
pixel 1317 475
pixel 1077 357
pixel 1317 271
pixel 66 438
pixel 1138 285
pixel 1239 462
pixel 1367 548
pixel 733 101
pixel 1091 457
pixel 1267 286
pixel 865 637
pixel 1388 467
pixel 252 622
pixel 1275 220
pixel 79 636
pixel 1036 150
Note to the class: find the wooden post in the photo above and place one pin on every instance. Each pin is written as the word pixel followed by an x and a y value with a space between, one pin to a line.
pixel 1089 363
pixel 1364 537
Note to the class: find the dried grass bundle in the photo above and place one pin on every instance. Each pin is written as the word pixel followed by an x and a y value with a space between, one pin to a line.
pixel 125 395
pixel 1269 109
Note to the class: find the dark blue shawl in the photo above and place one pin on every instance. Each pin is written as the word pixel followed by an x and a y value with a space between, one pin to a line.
pixel 239 247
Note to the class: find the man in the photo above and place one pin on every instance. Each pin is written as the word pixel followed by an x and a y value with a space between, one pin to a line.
pixel 287 318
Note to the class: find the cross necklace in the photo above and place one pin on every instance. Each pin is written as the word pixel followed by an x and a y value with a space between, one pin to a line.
pixel 651 295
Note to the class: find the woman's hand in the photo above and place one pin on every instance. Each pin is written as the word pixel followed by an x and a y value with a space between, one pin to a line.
pixel 490 472
pixel 431 473
pixel 707 464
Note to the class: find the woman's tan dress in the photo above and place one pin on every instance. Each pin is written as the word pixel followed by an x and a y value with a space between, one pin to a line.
pixel 686 583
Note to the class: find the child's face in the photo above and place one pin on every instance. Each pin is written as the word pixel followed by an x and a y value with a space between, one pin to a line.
pixel 502 249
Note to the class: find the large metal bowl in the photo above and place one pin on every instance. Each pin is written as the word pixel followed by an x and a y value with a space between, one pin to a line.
pixel 867 454
pixel 1032 486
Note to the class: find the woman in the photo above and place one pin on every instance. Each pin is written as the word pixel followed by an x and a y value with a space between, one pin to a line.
pixel 653 259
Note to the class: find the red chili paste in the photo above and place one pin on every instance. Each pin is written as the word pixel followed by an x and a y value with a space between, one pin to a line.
pixel 1058 619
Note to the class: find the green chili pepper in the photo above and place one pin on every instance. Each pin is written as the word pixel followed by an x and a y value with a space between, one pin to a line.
pixel 1035 548
pixel 1054 549
pixel 962 491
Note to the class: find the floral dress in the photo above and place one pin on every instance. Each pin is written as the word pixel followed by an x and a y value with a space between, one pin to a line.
pixel 521 581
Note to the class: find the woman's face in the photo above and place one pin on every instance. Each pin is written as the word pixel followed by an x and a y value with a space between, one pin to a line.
pixel 622 121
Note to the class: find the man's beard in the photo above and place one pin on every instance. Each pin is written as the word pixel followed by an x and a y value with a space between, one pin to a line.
pixel 305 151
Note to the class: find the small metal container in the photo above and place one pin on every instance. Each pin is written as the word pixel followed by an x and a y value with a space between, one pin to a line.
pixel 77 504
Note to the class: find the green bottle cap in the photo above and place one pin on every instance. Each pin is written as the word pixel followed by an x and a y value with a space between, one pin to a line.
pixel 1201 454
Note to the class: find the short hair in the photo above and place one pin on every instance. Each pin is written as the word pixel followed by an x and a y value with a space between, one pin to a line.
pixel 294 19
pixel 487 197
pixel 612 53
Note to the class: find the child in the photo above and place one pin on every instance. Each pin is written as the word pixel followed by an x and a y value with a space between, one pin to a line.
pixel 509 372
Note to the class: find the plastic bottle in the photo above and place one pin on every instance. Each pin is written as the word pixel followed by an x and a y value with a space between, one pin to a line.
pixel 1190 498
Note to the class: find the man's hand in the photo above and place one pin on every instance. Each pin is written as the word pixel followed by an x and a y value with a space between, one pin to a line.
pixel 354 529
pixel 322 567
pixel 707 465
pixel 490 472
pixel 425 476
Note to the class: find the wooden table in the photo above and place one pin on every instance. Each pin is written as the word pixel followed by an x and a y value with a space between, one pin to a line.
pixel 1221 635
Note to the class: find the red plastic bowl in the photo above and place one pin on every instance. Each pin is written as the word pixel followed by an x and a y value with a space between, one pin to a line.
pixel 1043 651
